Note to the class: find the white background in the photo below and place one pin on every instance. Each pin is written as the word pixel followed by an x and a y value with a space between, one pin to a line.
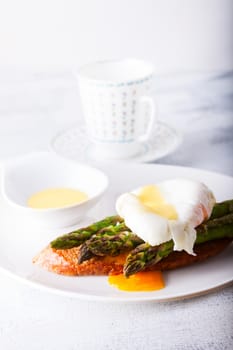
pixel 176 35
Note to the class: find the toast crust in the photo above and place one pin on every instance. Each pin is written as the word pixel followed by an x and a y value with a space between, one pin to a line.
pixel 65 261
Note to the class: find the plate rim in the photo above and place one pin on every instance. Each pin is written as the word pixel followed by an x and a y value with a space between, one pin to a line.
pixel 110 299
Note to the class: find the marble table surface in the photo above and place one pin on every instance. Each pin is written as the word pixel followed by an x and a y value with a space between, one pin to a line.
pixel 33 108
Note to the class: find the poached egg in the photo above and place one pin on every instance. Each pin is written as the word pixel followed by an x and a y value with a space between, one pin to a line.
pixel 168 210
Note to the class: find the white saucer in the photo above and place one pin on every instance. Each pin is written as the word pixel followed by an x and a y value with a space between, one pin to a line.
pixel 74 143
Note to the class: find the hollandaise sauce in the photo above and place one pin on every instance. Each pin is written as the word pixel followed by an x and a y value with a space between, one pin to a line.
pixel 151 197
pixel 56 198
pixel 140 282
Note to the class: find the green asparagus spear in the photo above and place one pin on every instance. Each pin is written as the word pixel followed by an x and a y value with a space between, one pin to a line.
pixel 108 245
pixel 224 220
pixel 84 254
pixel 112 244
pixel 145 255
pixel 221 209
pixel 76 238
pixel 112 230
pixel 100 239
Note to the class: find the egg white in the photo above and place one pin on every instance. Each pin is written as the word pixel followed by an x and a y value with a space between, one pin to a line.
pixel 193 202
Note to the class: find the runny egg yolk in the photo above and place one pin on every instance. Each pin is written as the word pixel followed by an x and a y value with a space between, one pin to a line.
pixel 151 197
pixel 140 282
pixel 56 198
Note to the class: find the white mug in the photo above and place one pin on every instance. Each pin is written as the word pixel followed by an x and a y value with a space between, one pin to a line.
pixel 118 108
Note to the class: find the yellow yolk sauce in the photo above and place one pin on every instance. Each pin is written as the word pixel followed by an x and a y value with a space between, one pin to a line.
pixel 151 197
pixel 140 282
pixel 56 198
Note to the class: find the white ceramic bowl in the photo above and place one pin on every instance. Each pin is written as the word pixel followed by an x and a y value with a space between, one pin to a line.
pixel 38 171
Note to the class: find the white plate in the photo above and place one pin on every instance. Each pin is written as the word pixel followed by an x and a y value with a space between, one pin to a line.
pixel 19 243
pixel 74 143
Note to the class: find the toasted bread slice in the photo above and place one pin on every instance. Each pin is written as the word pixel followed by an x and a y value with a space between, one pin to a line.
pixel 65 261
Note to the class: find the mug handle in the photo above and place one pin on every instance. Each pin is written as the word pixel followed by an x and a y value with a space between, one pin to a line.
pixel 152 116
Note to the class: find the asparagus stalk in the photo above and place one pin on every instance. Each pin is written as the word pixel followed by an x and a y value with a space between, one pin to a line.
pixel 221 209
pixel 224 220
pixel 145 255
pixel 84 254
pixel 76 238
pixel 99 244
pixel 108 245
pixel 113 244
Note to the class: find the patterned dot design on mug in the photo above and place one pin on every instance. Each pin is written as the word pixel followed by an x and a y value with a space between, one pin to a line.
pixel 114 112
pixel 126 108
pixel 124 114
